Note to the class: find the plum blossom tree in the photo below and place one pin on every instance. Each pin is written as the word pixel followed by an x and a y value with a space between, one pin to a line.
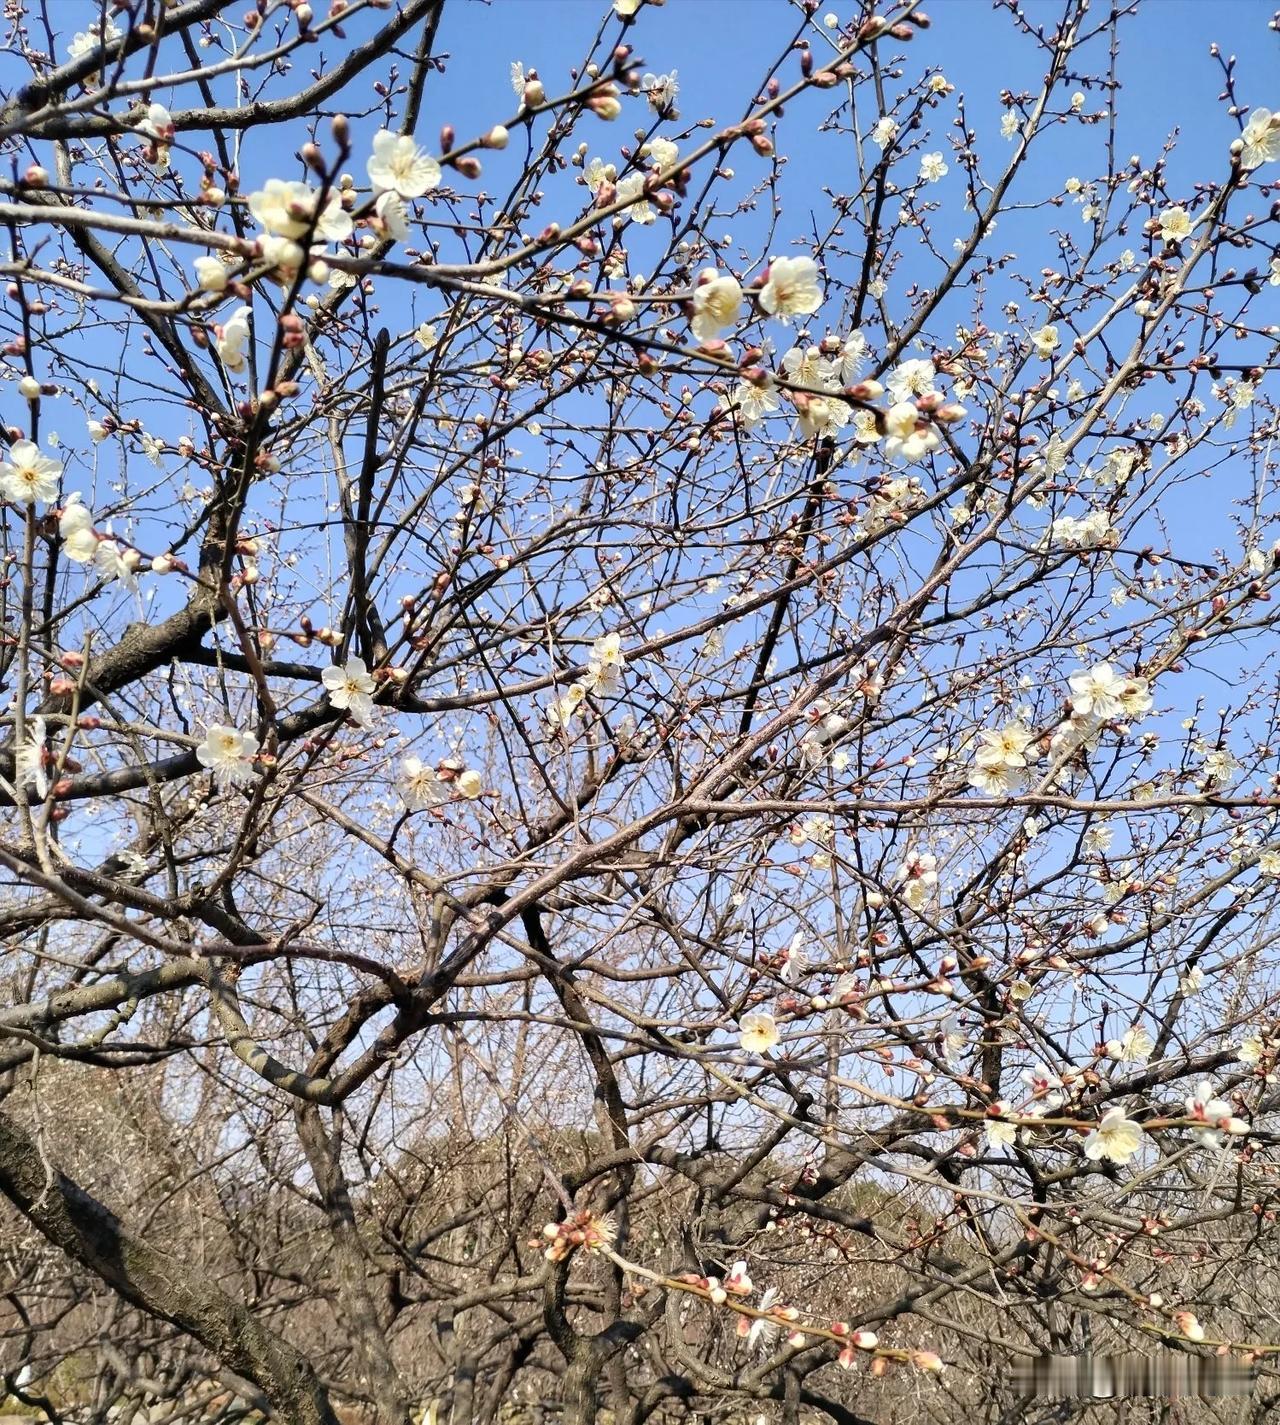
pixel 608 820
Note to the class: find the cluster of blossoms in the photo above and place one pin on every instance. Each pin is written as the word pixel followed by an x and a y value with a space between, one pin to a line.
pixel 583 1229
pixel 233 756
pixel 1116 1137
pixel 423 786
pixel 83 544
pixel 1135 1046
pixel 1089 532
pixel 919 877
pixel 290 211
pixel 826 400
pixel 1047 1094
pixel 756 1326
pixel 816 744
pixel 603 676
pixel 29 477
pixel 1216 1115
pixel 92 40
pixel 1099 695
pixel 293 212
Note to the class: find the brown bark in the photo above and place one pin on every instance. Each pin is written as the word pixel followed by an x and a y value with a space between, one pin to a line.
pixel 157 1281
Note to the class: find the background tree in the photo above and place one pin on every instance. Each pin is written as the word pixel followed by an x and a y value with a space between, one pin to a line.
pixel 639 743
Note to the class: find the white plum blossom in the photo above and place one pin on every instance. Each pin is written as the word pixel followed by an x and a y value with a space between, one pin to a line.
pixel 1249 1050
pixel 1045 341
pixel 1041 1080
pixel 662 90
pixel 793 958
pixel 289 209
pixel 31 758
pixel 390 209
pixel 228 754
pixel 999 1131
pixel 762 1328
pixel 884 132
pixel 806 366
pixel 1215 1113
pixel 28 476
pixel 912 378
pixel 994 780
pixel 75 525
pixel 350 688
pixel 1005 746
pixel 1261 139
pixel 116 561
pixel 397 165
pixel 820 415
pixel 90 40
pixel 211 274
pixel 791 287
pixel 851 357
pixel 1096 692
pixel 717 300
pixel 759 1032
pixel 232 337
pixel 1089 532
pixel 932 168
pixel 1219 764
pixel 1135 1045
pixel 751 400
pixel 910 438
pixel 421 785
pixel 1116 1138
pixel 1175 224
pixel 560 712
pixel 662 152
pixel 604 670
pixel 919 875
pixel 630 190
pixel 1116 468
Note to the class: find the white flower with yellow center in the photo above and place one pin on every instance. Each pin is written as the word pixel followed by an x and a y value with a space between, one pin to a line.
pixel 1116 1138
pixel 398 165
pixel 791 287
pixel 228 754
pixel 759 1032
pixel 717 300
pixel 1175 224
pixel 350 690
pixel 29 477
